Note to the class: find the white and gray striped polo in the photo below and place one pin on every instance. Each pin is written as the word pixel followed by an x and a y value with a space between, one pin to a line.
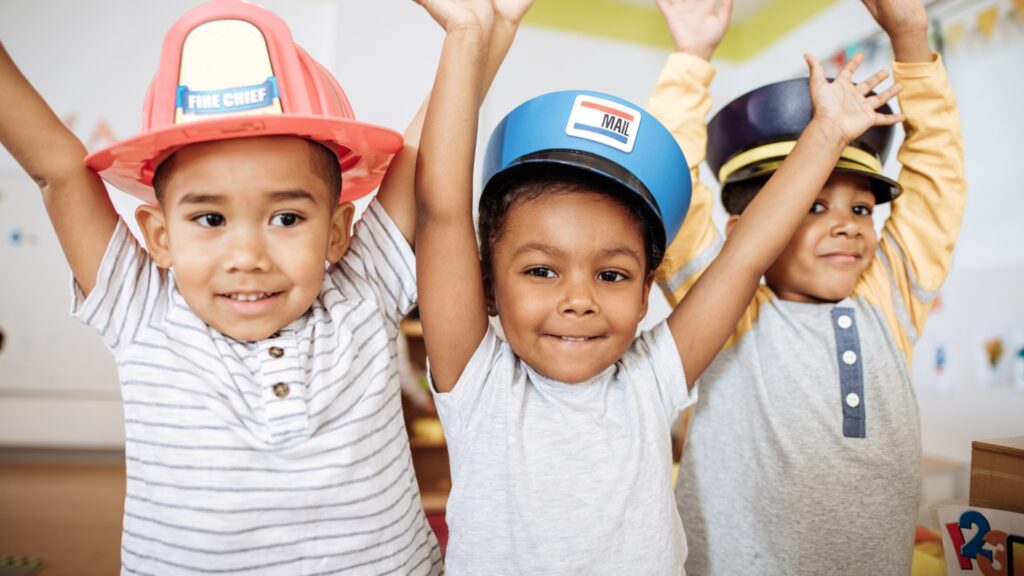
pixel 284 456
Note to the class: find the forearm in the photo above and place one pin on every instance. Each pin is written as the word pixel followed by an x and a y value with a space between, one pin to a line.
pixel 925 219
pixel 681 101
pixel 75 198
pixel 448 268
pixel 395 193
pixel 445 164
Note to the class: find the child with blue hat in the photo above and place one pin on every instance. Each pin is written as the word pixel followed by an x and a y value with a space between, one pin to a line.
pixel 811 395
pixel 256 334
pixel 558 435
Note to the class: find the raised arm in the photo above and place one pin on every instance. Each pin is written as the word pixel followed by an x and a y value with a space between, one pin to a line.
pixel 395 194
pixel 704 319
pixel 451 293
pixel 681 101
pixel 75 198
pixel 917 240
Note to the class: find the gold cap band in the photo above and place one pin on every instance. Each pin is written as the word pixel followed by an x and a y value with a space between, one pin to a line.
pixel 854 158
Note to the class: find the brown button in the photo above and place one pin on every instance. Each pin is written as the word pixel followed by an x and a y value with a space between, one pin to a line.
pixel 276 352
pixel 281 390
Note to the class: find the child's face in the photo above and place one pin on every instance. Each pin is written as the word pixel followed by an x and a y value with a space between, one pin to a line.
pixel 569 283
pixel 247 226
pixel 832 247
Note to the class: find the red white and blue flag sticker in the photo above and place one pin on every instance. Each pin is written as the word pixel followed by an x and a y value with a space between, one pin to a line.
pixel 604 121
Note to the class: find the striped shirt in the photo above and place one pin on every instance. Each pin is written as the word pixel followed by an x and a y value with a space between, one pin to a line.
pixel 283 456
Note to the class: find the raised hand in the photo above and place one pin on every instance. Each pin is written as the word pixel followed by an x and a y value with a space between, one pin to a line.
pixel 459 14
pixel 899 16
pixel 906 24
pixel 511 11
pixel 697 26
pixel 848 107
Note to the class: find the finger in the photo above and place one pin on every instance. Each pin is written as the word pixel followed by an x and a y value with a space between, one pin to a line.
pixel 725 10
pixel 889 119
pixel 813 66
pixel 877 100
pixel 850 67
pixel 870 83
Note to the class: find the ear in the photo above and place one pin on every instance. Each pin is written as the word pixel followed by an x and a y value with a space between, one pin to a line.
pixel 153 224
pixel 489 300
pixel 340 232
pixel 645 298
pixel 733 219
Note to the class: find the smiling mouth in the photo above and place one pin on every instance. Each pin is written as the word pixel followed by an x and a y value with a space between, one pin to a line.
pixel 842 257
pixel 250 296
pixel 574 338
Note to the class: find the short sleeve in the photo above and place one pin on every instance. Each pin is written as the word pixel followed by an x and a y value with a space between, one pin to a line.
pixel 128 285
pixel 654 365
pixel 457 408
pixel 381 257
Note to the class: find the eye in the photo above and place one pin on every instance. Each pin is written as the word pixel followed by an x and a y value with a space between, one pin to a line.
pixel 209 220
pixel 285 219
pixel 862 210
pixel 817 207
pixel 611 276
pixel 541 272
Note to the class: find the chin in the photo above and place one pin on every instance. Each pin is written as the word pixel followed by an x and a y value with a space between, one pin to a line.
pixel 245 334
pixel 833 293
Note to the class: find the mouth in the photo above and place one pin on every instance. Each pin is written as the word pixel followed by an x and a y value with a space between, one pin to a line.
pixel 841 257
pixel 249 296
pixel 573 339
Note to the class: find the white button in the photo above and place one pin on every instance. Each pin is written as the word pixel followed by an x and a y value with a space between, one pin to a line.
pixel 850 357
pixel 844 321
pixel 852 400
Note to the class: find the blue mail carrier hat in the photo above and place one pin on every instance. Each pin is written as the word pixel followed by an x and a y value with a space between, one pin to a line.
pixel 599 134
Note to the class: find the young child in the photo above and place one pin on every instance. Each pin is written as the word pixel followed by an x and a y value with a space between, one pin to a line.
pixel 263 423
pixel 559 438
pixel 804 453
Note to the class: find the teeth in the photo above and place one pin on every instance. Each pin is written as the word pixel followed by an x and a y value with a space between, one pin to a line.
pixel 575 339
pixel 249 297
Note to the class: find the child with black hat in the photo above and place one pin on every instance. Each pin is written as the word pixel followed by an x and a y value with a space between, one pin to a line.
pixel 559 434
pixel 804 453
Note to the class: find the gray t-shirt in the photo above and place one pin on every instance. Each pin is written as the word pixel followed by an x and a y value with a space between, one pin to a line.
pixel 805 452
pixel 554 478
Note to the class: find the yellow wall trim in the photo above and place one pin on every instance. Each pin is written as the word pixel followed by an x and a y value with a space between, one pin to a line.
pixel 644 25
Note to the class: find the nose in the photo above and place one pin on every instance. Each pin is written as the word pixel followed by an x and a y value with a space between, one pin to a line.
pixel 846 224
pixel 246 251
pixel 578 298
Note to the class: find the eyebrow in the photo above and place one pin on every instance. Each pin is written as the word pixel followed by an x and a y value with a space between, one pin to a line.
pixel 606 253
pixel 623 250
pixel 538 247
pixel 278 195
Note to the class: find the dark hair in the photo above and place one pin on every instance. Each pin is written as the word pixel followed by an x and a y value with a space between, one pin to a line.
pixel 736 196
pixel 545 179
pixel 323 162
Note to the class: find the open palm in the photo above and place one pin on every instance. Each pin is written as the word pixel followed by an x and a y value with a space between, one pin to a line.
pixel 697 26
pixel 852 108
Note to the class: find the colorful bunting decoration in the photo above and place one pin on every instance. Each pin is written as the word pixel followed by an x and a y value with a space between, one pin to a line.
pixel 987 20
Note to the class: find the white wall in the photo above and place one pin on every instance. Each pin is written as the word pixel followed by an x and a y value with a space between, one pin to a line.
pixel 94 60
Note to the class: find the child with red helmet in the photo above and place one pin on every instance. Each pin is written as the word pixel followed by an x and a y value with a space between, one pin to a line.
pixel 255 338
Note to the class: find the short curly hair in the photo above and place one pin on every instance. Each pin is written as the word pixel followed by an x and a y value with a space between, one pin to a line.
pixel 495 205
